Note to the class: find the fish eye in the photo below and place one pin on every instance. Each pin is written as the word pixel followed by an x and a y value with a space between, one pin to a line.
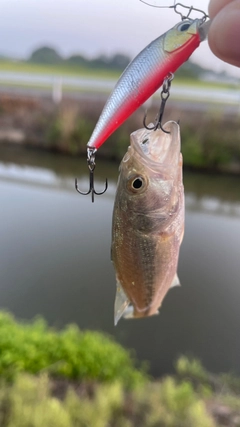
pixel 136 183
pixel 184 26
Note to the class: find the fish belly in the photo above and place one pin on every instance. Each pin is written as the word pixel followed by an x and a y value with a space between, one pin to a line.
pixel 145 267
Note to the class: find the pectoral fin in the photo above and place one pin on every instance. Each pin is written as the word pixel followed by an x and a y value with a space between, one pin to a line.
pixel 175 282
pixel 121 303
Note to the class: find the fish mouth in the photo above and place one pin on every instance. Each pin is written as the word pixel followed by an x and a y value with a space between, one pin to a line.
pixel 155 147
pixel 203 30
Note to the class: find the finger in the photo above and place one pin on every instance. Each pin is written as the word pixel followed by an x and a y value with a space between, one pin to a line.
pixel 224 33
pixel 216 5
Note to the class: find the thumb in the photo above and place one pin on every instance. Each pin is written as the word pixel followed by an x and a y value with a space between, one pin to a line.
pixel 224 33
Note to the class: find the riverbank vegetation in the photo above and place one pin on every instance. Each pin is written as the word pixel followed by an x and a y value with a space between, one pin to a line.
pixel 74 378
pixel 210 140
pixel 208 143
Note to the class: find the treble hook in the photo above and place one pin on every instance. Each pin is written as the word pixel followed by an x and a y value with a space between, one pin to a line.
pixel 164 97
pixel 91 166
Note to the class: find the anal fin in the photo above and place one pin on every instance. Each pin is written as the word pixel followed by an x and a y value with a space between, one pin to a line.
pixel 121 303
pixel 129 312
pixel 175 282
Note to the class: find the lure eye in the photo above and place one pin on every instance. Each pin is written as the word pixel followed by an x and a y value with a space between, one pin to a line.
pixel 136 183
pixel 184 26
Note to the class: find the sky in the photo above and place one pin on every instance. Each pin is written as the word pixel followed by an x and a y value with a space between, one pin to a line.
pixel 92 27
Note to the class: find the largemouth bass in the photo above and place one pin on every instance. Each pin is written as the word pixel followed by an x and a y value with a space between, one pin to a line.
pixel 148 221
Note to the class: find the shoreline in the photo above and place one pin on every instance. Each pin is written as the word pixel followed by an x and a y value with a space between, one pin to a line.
pixel 210 137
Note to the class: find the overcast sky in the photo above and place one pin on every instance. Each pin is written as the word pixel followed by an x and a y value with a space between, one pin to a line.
pixel 91 27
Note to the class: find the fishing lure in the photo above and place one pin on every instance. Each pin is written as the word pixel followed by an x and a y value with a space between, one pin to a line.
pixel 145 74
pixel 142 77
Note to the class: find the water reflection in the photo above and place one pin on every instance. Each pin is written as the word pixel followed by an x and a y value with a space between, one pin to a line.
pixel 55 260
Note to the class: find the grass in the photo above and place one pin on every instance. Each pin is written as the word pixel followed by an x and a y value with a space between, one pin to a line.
pixel 49 87
pixel 60 70
pixel 195 83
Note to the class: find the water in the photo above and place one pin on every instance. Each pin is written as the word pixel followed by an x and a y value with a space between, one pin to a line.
pixel 55 260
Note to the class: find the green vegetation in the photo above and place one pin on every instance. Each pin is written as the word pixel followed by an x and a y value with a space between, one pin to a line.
pixel 68 129
pixel 74 67
pixel 39 401
pixel 191 369
pixel 70 353
pixel 30 402
pixel 47 60
pixel 47 55
pixel 62 69
pixel 190 70
pixel 72 378
pixel 210 141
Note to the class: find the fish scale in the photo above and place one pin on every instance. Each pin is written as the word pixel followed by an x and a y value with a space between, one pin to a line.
pixel 143 249
pixel 148 254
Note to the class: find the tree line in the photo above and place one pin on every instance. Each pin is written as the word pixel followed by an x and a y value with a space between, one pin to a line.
pixel 118 61
pixel 48 55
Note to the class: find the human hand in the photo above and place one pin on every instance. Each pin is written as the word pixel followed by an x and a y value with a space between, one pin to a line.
pixel 224 32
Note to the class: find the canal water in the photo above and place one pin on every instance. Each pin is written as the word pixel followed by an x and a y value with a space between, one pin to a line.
pixel 55 260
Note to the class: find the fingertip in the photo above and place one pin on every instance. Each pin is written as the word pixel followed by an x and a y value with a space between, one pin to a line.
pixel 215 6
pixel 224 34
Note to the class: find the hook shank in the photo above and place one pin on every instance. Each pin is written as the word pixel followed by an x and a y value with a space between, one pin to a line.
pixel 164 97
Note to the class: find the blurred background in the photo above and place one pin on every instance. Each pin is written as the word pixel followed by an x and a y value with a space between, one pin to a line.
pixel 58 64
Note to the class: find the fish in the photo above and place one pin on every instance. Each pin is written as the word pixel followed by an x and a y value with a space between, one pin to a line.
pixel 146 73
pixel 147 221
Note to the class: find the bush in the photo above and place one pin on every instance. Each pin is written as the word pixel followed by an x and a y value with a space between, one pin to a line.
pixel 70 353
pixel 29 402
pixel 169 404
pixel 211 143
pixel 85 379
pixel 192 369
